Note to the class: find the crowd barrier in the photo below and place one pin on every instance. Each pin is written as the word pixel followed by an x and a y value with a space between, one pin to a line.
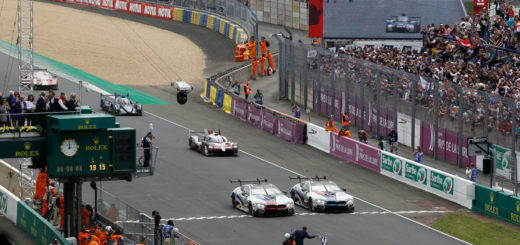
pixel 277 123
pixel 200 18
pixel 497 204
pixel 27 219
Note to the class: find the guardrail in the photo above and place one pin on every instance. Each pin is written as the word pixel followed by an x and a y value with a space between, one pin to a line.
pixel 236 23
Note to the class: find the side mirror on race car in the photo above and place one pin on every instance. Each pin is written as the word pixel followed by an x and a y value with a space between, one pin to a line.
pixel 183 89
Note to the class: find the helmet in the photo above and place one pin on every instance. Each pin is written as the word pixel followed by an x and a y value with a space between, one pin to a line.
pixel 287 235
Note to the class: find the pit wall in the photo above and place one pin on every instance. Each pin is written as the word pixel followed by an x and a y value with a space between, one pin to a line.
pixel 24 216
pixel 209 21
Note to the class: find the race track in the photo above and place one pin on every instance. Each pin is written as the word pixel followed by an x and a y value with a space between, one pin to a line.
pixel 189 185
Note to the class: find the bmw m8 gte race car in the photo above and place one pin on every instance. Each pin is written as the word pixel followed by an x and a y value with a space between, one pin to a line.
pixel 118 104
pixel 257 197
pixel 320 195
pixel 403 23
pixel 211 143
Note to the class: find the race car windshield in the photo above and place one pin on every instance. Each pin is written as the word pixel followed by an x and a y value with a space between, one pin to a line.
pixel 265 191
pixel 217 140
pixel 325 187
pixel 42 75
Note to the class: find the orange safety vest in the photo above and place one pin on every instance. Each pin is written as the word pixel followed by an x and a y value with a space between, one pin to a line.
pixel 247 89
pixel 345 121
pixel 62 210
pixel 83 238
pixel 330 125
pixel 255 65
pixel 41 185
pixel 252 49
pixel 84 217
pixel 270 59
pixel 263 45
pixel 262 67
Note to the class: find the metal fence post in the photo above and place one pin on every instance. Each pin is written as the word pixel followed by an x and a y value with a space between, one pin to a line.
pixel 281 60
pixel 333 85
pixel 347 97
pixel 436 120
pixel 318 85
pixel 362 95
pixel 292 72
pixel 461 125
pixel 486 118
pixel 378 102
pixel 305 78
pixel 514 165
pixel 414 89
pixel 394 78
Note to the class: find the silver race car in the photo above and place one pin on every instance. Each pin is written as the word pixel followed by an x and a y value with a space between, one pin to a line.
pixel 211 143
pixel 118 104
pixel 257 197
pixel 320 195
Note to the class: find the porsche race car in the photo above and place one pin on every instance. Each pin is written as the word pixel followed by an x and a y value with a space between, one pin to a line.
pixel 211 143
pixel 44 80
pixel 403 23
pixel 257 197
pixel 120 105
pixel 320 195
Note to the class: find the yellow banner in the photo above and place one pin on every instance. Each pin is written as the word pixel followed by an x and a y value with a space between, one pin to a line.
pixel 227 103
pixel 213 94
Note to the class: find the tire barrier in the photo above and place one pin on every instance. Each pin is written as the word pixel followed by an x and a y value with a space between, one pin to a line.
pixel 216 23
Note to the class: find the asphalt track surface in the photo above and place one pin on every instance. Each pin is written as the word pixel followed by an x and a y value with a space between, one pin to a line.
pixel 188 185
pixel 365 19
pixel 195 191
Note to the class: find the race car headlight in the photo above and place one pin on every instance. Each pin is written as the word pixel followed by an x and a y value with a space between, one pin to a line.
pixel 320 201
pixel 215 147
pixel 259 205
pixel 290 205
pixel 350 202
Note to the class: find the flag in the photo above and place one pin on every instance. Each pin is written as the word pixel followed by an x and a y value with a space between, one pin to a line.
pixel 425 85
pixel 465 42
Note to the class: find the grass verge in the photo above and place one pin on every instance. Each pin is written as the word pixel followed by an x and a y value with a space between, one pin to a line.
pixel 476 231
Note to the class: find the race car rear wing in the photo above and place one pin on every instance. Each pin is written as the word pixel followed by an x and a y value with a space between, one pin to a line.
pixel 205 132
pixel 300 178
pixel 258 181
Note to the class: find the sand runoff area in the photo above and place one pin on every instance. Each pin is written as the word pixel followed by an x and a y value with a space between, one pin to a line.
pixel 116 50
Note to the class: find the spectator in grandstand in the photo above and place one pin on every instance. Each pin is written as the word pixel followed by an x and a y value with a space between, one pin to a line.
pixel 418 154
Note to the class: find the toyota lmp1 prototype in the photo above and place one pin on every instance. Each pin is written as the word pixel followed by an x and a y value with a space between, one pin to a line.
pixel 44 80
pixel 320 195
pixel 257 197
pixel 120 105
pixel 403 23
pixel 211 143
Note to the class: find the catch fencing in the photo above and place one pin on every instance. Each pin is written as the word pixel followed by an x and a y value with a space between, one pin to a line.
pixel 378 99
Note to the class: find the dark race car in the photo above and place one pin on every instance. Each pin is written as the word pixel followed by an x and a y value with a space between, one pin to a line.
pixel 120 105
pixel 319 195
pixel 404 24
pixel 211 143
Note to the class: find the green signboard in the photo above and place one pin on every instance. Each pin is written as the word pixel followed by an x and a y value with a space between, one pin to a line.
pixel 503 161
pixel 497 204
pixel 442 182
pixel 74 122
pixel 36 226
pixel 415 173
pixel 391 164
pixel 23 148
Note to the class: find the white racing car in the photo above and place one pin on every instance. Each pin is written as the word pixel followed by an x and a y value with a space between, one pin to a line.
pixel 257 197
pixel 120 105
pixel 44 80
pixel 211 143
pixel 320 195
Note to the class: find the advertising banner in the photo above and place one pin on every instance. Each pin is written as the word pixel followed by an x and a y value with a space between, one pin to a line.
pixel 441 182
pixel 121 5
pixel 404 130
pixel 8 204
pixel 165 12
pixel 352 111
pixel 240 109
pixel 338 104
pixel 228 100
pixel 269 121
pixel 254 115
pixel 219 98
pixel 212 94
pixel 391 164
pixel 325 100
pixel 497 204
pixel 318 138
pixel 367 116
pixel 135 7
pixel 316 18
pixel 355 152
pixel 451 146
pixel 503 161
pixel 290 130
pixel 108 4
pixel 150 10
pixel 416 173
pixel 36 226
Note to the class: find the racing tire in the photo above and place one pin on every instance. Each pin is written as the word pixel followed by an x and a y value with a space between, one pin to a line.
pixel 205 151
pixel 290 211
pixel 190 144
pixel 235 153
pixel 311 207
pixel 293 197
pixel 251 212
pixel 350 210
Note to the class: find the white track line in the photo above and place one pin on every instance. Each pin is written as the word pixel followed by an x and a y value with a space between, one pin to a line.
pixel 294 172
